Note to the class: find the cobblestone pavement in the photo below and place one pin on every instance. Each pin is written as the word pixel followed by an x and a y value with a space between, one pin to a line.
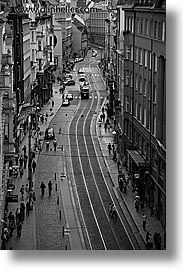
pixel 37 222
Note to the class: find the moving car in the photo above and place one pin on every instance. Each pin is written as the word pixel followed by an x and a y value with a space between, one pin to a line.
pixel 81 71
pixel 65 103
pixel 85 83
pixel 49 134
pixel 85 92
pixel 69 97
pixel 69 82
pixel 82 78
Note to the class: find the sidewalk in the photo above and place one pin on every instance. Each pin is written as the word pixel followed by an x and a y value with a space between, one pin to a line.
pixel 28 237
pixel 153 224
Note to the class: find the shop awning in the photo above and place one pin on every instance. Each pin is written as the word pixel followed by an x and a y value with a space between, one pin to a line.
pixel 136 157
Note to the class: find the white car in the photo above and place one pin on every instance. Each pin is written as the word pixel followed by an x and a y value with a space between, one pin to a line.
pixel 79 59
pixel 69 96
pixel 65 103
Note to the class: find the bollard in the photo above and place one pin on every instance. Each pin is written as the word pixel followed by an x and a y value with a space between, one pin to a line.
pixel 58 200
pixel 63 231
pixel 60 215
pixel 55 176
pixel 56 186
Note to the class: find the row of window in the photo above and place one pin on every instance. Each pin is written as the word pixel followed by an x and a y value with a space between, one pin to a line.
pixel 96 15
pixel 147 27
pixel 142 57
pixel 97 22
pixel 141 113
pixel 142 86
pixel 98 30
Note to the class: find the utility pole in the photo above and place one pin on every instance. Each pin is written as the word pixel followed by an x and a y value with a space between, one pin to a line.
pixel 30 156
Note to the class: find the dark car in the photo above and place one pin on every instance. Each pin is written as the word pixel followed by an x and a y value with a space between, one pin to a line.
pixel 69 82
pixel 49 134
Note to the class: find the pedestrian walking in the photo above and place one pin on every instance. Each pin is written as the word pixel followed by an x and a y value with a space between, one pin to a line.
pixel 21 171
pixel 17 215
pixel 52 103
pixel 114 156
pixel 114 212
pixel 10 216
pixel 47 145
pixel 11 227
pixel 105 126
pixel 24 149
pixel 34 166
pixel 55 144
pixel 137 203
pixel 148 237
pixel 144 220
pixel 21 161
pixel 110 208
pixel 27 207
pixel 25 161
pixel 49 187
pixel 19 229
pixel 42 187
pixel 109 147
pixel 22 211
pixel 113 148
pixel 119 165
pixel 22 191
pixel 103 117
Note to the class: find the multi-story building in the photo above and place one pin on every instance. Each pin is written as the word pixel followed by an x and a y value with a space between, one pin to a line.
pixel 96 23
pixel 79 35
pixel 6 108
pixel 143 125
pixel 65 19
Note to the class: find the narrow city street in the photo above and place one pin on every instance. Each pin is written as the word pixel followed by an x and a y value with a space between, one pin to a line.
pixel 84 182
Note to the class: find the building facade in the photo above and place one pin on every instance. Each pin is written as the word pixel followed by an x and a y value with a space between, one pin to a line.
pixel 80 37
pixel 142 129
pixel 6 108
pixel 96 23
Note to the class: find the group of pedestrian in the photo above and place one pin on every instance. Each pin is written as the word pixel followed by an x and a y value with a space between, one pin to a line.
pixel 48 148
pixel 43 187
pixel 113 149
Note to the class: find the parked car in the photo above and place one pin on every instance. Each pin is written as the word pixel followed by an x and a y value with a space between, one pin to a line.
pixel 65 103
pixel 79 59
pixel 69 97
pixel 49 134
pixel 69 82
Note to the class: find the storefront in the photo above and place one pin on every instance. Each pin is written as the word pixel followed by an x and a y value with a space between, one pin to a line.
pixel 137 167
